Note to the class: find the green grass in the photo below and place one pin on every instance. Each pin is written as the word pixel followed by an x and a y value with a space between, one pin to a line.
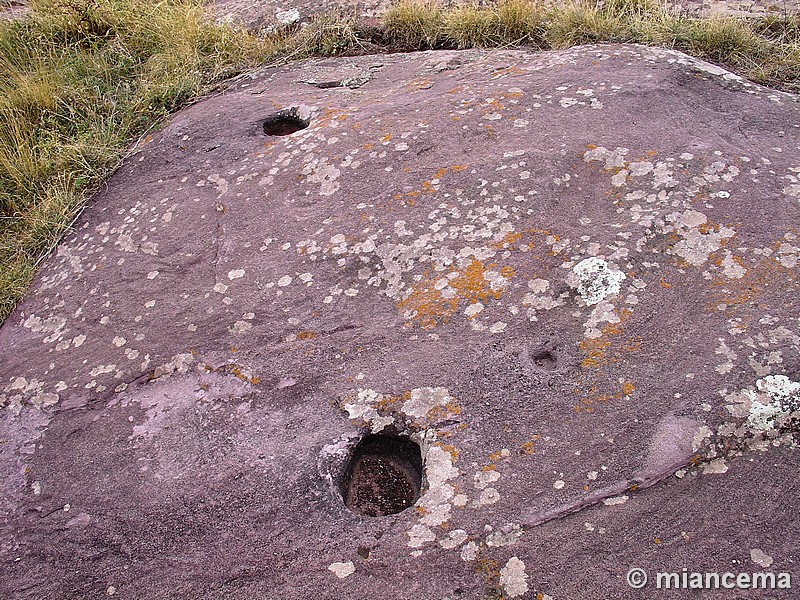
pixel 80 80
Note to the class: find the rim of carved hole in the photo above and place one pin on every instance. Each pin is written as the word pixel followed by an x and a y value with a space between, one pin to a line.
pixel 285 122
pixel 383 475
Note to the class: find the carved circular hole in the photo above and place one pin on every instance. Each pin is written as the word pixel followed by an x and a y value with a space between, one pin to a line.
pixel 545 360
pixel 383 476
pixel 284 123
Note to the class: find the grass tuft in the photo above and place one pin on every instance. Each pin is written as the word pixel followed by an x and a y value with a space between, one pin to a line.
pixel 328 35
pixel 414 25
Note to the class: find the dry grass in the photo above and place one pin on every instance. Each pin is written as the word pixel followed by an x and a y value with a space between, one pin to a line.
pixel 81 79
pixel 414 25
pixel 509 22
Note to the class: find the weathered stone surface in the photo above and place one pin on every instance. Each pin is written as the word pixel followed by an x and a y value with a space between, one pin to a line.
pixel 567 275
pixel 263 13
pixel 257 15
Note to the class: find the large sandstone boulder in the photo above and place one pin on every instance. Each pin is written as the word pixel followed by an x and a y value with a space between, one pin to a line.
pixel 442 325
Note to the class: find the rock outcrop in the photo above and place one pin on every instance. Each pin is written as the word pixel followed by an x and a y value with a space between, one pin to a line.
pixel 570 278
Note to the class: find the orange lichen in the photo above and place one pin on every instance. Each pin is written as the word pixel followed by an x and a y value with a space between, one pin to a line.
pixel 451 450
pixel 427 186
pixel 472 285
pixel 429 306
pixel 490 569
pixel 239 374
pixel 420 84
pixel 747 289
pixel 306 335
pixel 708 227
pixel 596 350
pixel 453 407
pixel 513 70
pixel 508 240
pixel 628 388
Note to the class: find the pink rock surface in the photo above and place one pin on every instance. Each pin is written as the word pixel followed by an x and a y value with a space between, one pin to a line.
pixel 566 275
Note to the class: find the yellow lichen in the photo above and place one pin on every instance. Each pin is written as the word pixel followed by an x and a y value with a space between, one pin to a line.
pixel 427 304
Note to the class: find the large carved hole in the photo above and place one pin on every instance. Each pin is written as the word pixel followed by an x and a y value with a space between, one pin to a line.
pixel 384 476
pixel 285 122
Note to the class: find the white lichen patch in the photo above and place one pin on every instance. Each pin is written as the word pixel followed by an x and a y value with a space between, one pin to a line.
pixel 776 397
pixel 342 569
pixel 240 326
pixel 454 539
pixel 513 578
pixel 180 364
pixel 424 400
pixel 595 280
pixel 419 535
pixel 320 171
pixel 761 558
pixel 766 410
pixel 437 500
pixel 611 159
pixel 724 351
pixel 699 240
pixel 508 535
pixel 483 478
pixel 469 551
pixel 362 409
pixel 21 391
pixel 616 500
pixel 604 312
pixel 732 266
pixel 715 467
pixel 488 496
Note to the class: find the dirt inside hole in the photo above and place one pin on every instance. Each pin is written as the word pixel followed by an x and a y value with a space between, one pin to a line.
pixel 384 476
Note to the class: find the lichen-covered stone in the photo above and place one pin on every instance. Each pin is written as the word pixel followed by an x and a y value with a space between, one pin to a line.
pixel 568 276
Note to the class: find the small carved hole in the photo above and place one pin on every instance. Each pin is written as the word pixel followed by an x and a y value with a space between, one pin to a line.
pixel 284 123
pixel 384 476
pixel 545 360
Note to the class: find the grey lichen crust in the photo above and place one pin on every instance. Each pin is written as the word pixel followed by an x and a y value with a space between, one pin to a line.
pixel 570 277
